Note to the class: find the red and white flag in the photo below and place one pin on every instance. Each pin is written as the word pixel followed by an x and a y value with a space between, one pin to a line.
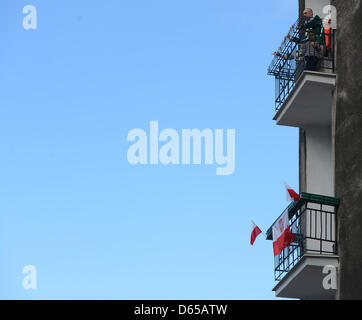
pixel 291 194
pixel 255 231
pixel 282 237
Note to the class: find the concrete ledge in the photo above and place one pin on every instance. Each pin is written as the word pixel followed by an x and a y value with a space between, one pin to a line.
pixel 310 101
pixel 304 280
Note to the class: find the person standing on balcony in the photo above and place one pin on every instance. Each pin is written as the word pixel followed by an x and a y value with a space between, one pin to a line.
pixel 312 22
pixel 312 51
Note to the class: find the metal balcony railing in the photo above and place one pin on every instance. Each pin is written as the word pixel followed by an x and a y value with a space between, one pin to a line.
pixel 313 219
pixel 288 65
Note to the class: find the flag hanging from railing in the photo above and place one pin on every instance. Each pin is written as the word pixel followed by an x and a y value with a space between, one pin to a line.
pixel 282 236
pixel 255 231
pixel 291 194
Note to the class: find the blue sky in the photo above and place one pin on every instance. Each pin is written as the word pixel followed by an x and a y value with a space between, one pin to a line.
pixel 96 227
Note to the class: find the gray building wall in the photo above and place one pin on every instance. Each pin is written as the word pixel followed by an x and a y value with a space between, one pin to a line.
pixel 302 161
pixel 301 7
pixel 302 145
pixel 348 145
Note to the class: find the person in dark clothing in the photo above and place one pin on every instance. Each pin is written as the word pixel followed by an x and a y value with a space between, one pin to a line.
pixel 312 51
pixel 312 22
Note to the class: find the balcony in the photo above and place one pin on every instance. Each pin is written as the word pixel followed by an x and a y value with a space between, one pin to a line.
pixel 302 98
pixel 298 268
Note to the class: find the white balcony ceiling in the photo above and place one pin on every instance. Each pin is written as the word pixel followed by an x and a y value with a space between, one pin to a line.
pixel 310 102
pixel 305 279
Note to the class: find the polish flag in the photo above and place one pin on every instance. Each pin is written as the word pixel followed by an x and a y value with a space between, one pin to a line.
pixel 291 194
pixel 255 231
pixel 282 237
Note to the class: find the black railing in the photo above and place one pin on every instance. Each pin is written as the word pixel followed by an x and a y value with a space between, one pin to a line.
pixel 289 63
pixel 313 220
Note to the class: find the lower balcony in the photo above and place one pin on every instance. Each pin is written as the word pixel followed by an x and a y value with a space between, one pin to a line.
pixel 299 267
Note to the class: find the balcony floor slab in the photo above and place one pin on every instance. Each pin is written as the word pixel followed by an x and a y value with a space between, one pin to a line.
pixel 305 279
pixel 310 102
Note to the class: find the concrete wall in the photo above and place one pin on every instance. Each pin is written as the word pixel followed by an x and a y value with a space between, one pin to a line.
pixel 348 146
pixel 319 171
pixel 317 6
pixel 302 161
pixel 301 7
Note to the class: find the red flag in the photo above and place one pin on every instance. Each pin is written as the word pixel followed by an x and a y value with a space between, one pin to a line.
pixel 255 231
pixel 282 237
pixel 291 194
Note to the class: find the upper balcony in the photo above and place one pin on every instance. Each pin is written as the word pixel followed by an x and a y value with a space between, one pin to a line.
pixel 303 97
pixel 298 268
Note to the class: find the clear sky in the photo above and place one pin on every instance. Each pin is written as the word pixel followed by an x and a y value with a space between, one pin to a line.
pixel 96 227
